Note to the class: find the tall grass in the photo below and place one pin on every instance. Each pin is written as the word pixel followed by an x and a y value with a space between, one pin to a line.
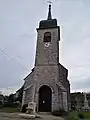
pixel 75 115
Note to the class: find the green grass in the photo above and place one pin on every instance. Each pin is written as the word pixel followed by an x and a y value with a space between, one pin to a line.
pixel 86 115
pixel 74 115
pixel 9 109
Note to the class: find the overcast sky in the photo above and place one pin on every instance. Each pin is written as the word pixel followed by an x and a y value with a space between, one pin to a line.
pixel 18 22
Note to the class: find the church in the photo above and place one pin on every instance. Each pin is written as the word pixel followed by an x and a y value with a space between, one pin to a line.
pixel 47 85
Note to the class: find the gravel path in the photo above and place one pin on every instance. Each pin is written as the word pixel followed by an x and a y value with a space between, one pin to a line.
pixel 15 116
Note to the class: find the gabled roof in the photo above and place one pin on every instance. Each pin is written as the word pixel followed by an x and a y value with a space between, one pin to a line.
pixel 63 67
pixel 29 74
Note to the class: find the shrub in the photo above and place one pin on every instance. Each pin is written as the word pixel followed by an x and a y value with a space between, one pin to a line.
pixel 80 115
pixel 13 105
pixel 24 108
pixel 60 112
pixel 12 110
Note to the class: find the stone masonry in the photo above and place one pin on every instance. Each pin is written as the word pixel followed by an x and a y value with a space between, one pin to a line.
pixel 48 71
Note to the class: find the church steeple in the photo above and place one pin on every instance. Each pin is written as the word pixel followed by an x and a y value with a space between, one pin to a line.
pixel 49 22
pixel 49 13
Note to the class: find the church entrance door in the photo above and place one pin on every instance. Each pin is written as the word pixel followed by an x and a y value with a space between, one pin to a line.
pixel 45 99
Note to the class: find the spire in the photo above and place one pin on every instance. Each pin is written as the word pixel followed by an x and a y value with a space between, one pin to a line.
pixel 49 13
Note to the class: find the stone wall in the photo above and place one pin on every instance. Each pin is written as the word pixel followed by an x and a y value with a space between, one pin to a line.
pixel 29 79
pixel 63 74
pixel 47 71
pixel 46 75
pixel 29 95
pixel 47 55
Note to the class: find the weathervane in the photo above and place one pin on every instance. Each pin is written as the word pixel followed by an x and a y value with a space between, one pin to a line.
pixel 49 1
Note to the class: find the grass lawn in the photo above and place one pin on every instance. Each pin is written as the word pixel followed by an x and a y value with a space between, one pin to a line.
pixel 86 115
pixel 74 115
pixel 9 109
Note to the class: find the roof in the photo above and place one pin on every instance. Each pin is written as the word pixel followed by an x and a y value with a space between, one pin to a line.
pixel 29 74
pixel 52 23
pixel 49 23
pixel 63 67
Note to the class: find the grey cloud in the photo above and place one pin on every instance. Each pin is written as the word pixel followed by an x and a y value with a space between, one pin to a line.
pixel 81 84
pixel 18 23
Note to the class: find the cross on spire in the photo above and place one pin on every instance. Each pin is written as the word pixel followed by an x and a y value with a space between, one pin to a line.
pixel 49 12
pixel 49 1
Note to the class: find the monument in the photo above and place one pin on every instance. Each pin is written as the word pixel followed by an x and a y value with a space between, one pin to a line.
pixel 31 109
pixel 47 85
pixel 86 106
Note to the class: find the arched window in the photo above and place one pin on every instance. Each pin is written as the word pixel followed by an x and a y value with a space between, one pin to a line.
pixel 47 37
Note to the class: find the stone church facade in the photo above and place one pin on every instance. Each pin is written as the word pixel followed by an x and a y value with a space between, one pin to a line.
pixel 47 85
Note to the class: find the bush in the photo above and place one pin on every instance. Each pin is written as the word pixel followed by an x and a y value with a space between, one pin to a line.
pixel 9 109
pixel 60 112
pixel 80 115
pixel 12 110
pixel 13 105
pixel 24 108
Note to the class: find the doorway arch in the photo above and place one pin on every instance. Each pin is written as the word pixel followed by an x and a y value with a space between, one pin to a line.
pixel 45 99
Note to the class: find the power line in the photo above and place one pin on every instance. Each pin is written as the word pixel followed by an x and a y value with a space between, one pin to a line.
pixel 28 69
pixel 13 59
pixel 80 75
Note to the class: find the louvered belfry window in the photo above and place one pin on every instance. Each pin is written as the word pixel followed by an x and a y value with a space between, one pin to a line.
pixel 47 37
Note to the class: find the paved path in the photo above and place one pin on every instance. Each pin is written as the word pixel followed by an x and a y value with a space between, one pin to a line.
pixel 15 116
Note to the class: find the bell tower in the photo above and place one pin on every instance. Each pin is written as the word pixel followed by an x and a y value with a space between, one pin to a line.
pixel 48 36
pixel 47 85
